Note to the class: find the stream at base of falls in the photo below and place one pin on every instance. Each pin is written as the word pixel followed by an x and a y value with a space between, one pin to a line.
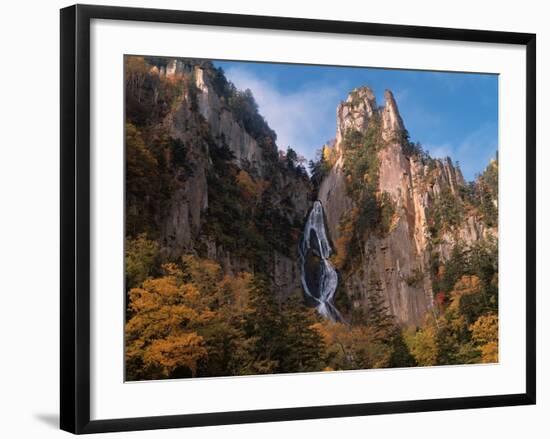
pixel 319 278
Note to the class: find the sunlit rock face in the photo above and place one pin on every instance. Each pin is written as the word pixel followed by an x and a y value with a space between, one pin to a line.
pixel 399 259
pixel 200 108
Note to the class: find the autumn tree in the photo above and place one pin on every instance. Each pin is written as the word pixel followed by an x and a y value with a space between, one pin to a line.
pixel 136 70
pixel 140 258
pixel 320 167
pixel 485 335
pixel 423 345
pixel 251 189
pixel 349 347
pixel 162 337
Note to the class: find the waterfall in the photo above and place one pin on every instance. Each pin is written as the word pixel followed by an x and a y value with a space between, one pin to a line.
pixel 315 246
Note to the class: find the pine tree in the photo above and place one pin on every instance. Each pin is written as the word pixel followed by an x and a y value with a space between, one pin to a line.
pixel 385 328
pixel 263 324
pixel 378 316
pixel 302 345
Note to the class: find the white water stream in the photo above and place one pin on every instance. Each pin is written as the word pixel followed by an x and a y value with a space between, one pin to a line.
pixel 315 240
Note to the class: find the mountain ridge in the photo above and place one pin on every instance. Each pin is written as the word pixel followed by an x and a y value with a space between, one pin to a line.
pixel 224 144
pixel 412 183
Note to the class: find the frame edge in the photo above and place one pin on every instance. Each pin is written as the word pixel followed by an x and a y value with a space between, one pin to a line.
pixel 67 419
pixel 75 220
pixel 531 218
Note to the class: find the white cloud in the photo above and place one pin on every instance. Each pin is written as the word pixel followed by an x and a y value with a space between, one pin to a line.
pixel 473 153
pixel 303 119
pixel 477 149
pixel 440 151
pixel 306 118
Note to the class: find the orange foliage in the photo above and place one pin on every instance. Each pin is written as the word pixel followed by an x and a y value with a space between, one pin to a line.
pixel 343 242
pixel 352 347
pixel 161 335
pixel 485 333
pixel 251 190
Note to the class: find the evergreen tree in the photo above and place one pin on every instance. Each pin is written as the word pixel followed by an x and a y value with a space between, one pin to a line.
pixel 302 344
pixel 385 328
pixel 378 316
pixel 263 324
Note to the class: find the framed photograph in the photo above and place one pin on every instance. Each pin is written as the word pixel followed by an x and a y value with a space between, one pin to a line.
pixel 268 219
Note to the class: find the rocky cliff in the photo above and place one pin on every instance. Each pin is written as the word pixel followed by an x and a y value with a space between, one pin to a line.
pixel 205 177
pixel 413 188
pixel 224 190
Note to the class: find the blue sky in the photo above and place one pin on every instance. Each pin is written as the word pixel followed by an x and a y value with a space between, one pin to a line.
pixel 451 114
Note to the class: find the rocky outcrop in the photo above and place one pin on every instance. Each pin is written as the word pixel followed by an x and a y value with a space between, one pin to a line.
pixel 201 120
pixel 392 124
pixel 188 102
pixel 398 259
pixel 333 196
pixel 224 126
pixel 355 112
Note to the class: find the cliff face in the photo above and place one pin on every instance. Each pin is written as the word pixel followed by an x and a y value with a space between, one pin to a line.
pixel 218 187
pixel 232 188
pixel 398 258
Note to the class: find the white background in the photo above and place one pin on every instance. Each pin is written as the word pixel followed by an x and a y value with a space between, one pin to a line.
pixel 29 258
pixel 112 398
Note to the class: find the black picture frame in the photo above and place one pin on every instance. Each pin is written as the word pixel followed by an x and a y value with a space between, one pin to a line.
pixel 75 217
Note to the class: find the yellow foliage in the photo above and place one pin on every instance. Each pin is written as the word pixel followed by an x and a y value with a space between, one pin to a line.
pixel 346 229
pixel 172 327
pixel 489 352
pixel 251 190
pixel 246 184
pixel 341 246
pixel 161 333
pixel 175 350
pixel 140 255
pixel 135 69
pixel 328 154
pixel 423 345
pixel 485 334
pixel 466 285
pixel 352 347
pixel 234 291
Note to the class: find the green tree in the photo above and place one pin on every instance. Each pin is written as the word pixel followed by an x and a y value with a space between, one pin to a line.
pixel 377 313
pixel 384 327
pixel 291 158
pixel 141 178
pixel 263 324
pixel 303 346
pixel 141 259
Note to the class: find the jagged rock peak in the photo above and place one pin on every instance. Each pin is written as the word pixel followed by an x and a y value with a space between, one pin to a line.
pixel 392 124
pixel 356 111
pixel 362 94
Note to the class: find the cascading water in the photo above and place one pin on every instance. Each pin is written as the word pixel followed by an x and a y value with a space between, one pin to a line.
pixel 319 278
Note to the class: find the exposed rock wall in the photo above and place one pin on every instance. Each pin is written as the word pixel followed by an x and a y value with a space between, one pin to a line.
pixel 399 259
pixel 199 108
pixel 224 126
